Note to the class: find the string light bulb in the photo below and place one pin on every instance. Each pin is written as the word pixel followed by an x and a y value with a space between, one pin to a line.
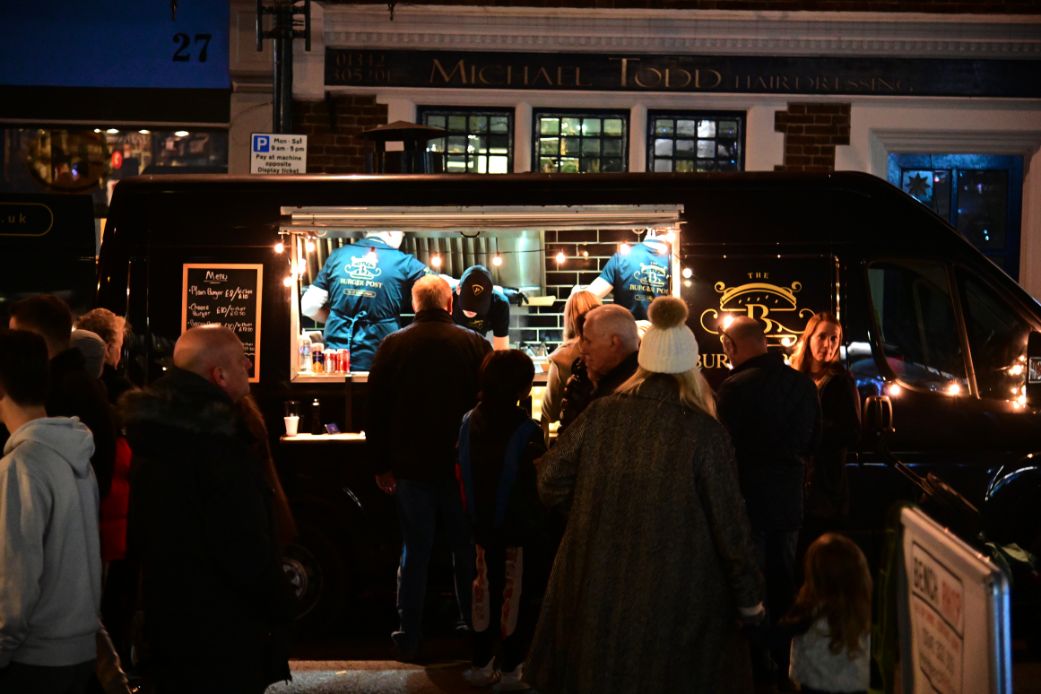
pixel 560 257
pixel 435 260
pixel 893 390
pixel 287 281
pixel 624 248
pixel 687 273
pixel 309 246
pixel 280 247
pixel 497 260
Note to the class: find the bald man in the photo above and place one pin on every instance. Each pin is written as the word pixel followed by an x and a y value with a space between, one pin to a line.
pixel 217 607
pixel 609 345
pixel 773 416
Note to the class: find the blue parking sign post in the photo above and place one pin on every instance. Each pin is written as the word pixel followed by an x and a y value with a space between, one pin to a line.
pixel 261 143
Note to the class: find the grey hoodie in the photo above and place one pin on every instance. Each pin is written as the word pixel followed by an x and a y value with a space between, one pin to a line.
pixel 50 557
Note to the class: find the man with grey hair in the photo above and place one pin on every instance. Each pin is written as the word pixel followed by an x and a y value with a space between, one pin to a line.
pixel 422 381
pixel 216 604
pixel 610 344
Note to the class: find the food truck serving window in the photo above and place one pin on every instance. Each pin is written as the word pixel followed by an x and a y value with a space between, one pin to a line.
pixel 352 268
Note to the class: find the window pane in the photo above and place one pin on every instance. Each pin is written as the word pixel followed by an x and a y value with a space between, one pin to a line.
pixel 997 339
pixel 569 165
pixel 663 148
pixel 570 145
pixel 727 128
pixel 706 128
pixel 706 149
pixel 684 166
pixel 478 124
pixel 983 207
pixel 663 164
pixel 457 144
pixel 663 126
pixel 435 121
pixel 613 127
pixel 570 126
pixel 549 126
pixel 712 138
pixel 686 127
pixel 547 165
pixel 590 165
pixel 468 130
pixel 499 124
pixel 591 145
pixel 912 305
pixel 498 165
pixel 549 145
pixel 611 164
pixel 612 147
pixel 583 141
pixel 591 126
pixel 457 124
pixel 685 147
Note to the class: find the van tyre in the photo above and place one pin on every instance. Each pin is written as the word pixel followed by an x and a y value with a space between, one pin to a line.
pixel 317 573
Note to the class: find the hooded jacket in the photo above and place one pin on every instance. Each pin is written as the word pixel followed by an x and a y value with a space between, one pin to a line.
pixel 50 559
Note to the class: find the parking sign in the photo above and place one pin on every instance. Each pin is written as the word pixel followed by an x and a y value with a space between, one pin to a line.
pixel 278 154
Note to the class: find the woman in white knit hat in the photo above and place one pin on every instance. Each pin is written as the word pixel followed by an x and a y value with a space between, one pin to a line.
pixel 656 565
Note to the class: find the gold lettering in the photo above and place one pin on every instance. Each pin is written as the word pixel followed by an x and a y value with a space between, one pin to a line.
pixel 447 77
pixel 647 85
pixel 715 75
pixel 578 78
pixel 483 77
pixel 541 73
pixel 669 72
pixel 624 75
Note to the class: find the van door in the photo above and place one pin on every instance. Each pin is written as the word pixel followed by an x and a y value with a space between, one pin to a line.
pixel 920 357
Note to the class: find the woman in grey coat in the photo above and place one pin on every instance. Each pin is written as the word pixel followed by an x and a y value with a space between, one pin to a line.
pixel 656 567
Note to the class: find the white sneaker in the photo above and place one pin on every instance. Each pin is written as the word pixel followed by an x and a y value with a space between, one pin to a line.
pixel 482 676
pixel 512 682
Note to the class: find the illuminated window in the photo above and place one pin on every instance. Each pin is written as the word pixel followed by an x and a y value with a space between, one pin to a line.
pixel 581 141
pixel 478 140
pixel 691 141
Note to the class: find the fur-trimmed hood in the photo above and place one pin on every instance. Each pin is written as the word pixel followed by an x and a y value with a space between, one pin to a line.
pixel 183 401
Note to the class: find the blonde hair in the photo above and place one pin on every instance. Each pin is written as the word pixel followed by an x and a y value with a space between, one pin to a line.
pixel 802 358
pixel 694 390
pixel 431 291
pixel 577 305
pixel 838 588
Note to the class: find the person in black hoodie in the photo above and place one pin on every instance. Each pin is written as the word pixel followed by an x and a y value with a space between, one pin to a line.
pixel 498 445
pixel 73 392
pixel 773 416
pixel 217 606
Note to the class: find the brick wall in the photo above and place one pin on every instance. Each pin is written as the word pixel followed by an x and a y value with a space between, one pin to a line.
pixel 811 132
pixel 587 252
pixel 332 128
pixel 936 6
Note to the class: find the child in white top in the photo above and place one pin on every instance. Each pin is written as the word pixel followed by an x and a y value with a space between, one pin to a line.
pixel 832 614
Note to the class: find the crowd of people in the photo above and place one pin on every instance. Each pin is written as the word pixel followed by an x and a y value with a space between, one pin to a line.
pixel 655 541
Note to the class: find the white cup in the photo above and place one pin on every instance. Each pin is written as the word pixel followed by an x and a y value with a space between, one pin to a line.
pixel 292 424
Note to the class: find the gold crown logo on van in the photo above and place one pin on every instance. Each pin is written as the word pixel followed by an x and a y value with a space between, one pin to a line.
pixel 775 306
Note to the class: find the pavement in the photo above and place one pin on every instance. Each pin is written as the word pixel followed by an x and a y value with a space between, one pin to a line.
pixel 374 677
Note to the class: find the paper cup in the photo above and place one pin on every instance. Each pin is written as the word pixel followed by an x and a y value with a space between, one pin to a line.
pixel 292 424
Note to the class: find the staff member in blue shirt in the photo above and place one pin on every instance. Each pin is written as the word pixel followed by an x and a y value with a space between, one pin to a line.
pixel 360 293
pixel 637 277
pixel 480 307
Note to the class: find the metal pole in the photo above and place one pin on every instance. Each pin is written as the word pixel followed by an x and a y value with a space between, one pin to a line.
pixel 282 112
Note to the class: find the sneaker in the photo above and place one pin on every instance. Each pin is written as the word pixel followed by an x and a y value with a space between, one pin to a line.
pixel 406 646
pixel 482 676
pixel 512 682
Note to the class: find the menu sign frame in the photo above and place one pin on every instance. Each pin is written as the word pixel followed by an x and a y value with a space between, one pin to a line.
pixel 228 294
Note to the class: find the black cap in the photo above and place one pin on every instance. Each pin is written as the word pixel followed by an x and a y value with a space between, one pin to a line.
pixel 475 290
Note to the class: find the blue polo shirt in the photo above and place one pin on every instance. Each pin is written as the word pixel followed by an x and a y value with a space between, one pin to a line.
pixel 497 319
pixel 366 298
pixel 638 277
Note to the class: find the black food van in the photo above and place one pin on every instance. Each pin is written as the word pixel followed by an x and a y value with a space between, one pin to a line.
pixel 937 337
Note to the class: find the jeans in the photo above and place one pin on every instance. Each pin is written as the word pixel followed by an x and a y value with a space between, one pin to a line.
pixel 775 553
pixel 41 679
pixel 421 507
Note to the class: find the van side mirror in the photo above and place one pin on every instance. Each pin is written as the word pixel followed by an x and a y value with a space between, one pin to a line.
pixel 878 414
pixel 1034 370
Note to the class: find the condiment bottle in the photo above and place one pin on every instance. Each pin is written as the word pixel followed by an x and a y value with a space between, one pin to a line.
pixel 316 417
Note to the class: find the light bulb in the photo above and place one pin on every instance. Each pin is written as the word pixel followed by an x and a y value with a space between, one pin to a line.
pixel 497 260
pixel 953 388
pixel 280 247
pixel 560 257
pixel 687 273
pixel 309 246
pixel 624 248
pixel 894 390
pixel 435 260
pixel 287 281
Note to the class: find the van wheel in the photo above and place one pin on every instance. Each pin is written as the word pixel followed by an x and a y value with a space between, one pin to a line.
pixel 318 575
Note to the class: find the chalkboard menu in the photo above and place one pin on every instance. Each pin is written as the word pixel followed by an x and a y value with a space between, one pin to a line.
pixel 228 295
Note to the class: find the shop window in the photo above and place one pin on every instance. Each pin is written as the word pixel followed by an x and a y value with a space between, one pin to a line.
pixel 997 341
pixel 478 140
pixel 917 330
pixel 685 142
pixel 581 142
pixel 92 160
pixel 980 195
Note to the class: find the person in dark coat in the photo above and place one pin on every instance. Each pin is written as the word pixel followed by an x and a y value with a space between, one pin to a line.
pixel 608 344
pixel 498 444
pixel 656 567
pixel 773 416
pixel 422 381
pixel 827 491
pixel 73 391
pixel 216 604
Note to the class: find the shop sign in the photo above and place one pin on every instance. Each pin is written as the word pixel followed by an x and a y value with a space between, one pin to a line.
pixel 25 219
pixel 954 629
pixel 228 295
pixel 681 73
pixel 277 154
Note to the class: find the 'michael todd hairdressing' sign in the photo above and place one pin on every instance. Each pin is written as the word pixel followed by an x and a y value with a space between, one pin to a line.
pixel 681 73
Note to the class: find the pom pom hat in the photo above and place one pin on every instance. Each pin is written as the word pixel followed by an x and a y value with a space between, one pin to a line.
pixel 669 346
